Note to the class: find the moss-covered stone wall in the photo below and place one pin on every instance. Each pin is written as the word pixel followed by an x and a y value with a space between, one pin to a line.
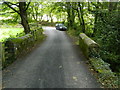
pixel 0 51
pixel 16 47
pixel 1 54
pixel 91 50
pixel 87 45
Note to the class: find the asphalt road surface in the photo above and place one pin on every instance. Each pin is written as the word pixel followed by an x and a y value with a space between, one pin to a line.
pixel 56 63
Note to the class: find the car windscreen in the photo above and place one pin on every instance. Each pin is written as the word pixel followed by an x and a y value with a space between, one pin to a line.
pixel 61 25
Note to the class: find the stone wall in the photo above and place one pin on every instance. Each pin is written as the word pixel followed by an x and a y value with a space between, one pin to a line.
pixel 91 50
pixel 17 47
pixel 1 54
pixel 88 46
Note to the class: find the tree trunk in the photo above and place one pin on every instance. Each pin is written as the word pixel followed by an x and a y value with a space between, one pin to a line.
pixel 51 17
pixel 36 16
pixel 41 17
pixel 47 18
pixel 82 19
pixel 72 16
pixel 113 5
pixel 95 22
pixel 68 12
pixel 22 12
pixel 23 15
pixel 79 16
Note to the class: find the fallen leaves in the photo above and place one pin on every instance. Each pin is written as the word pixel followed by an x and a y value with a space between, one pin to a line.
pixel 78 62
pixel 92 69
pixel 60 66
pixel 75 78
pixel 7 71
pixel 86 78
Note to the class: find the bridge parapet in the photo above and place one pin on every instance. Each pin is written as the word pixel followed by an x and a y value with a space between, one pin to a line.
pixel 91 50
pixel 17 47
pixel 89 47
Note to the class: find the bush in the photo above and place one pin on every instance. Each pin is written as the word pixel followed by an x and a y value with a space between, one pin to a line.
pixel 106 76
pixel 108 36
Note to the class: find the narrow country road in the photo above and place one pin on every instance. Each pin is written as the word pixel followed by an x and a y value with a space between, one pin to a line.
pixel 56 63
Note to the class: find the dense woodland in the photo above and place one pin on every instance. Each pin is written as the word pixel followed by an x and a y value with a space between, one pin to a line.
pixel 99 20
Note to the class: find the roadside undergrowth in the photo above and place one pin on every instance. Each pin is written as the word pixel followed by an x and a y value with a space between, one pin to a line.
pixel 105 82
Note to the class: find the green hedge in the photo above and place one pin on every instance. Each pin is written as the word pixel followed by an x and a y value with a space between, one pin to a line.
pixel 106 76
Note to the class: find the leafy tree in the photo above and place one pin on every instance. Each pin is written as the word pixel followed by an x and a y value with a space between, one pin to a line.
pixel 22 11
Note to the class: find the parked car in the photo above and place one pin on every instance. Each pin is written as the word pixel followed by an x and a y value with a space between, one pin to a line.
pixel 60 27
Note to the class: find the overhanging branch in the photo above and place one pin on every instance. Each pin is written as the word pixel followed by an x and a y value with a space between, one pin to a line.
pixel 27 5
pixel 6 13
pixel 14 4
pixel 7 3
